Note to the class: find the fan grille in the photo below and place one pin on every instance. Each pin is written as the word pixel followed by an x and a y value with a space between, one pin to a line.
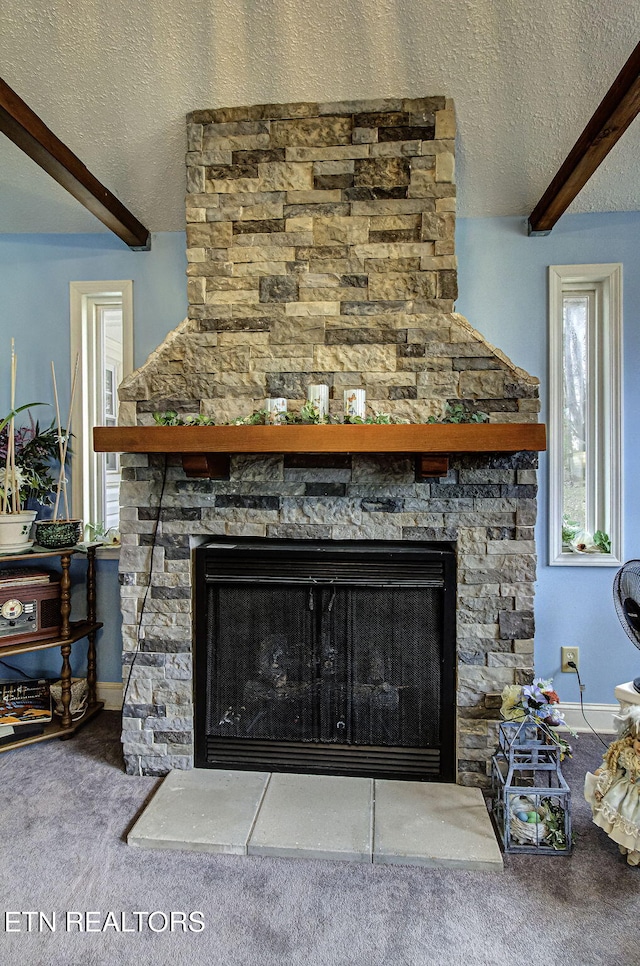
pixel 626 597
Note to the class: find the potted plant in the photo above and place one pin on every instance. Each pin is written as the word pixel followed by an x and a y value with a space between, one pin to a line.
pixel 27 457
pixel 15 519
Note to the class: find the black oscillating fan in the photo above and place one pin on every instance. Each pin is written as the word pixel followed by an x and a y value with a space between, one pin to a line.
pixel 626 597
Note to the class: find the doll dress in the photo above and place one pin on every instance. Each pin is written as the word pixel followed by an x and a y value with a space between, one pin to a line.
pixel 618 812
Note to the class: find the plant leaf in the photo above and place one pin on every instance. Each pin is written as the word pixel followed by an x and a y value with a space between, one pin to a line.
pixel 14 412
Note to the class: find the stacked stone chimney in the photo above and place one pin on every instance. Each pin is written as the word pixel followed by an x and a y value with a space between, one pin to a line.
pixel 320 242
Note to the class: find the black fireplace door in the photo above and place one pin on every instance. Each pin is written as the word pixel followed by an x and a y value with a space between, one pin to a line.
pixel 324 675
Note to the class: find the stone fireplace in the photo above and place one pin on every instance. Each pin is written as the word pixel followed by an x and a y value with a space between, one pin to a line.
pixel 321 250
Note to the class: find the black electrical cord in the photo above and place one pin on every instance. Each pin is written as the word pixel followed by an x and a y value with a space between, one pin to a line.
pixel 17 670
pixel 148 587
pixel 581 685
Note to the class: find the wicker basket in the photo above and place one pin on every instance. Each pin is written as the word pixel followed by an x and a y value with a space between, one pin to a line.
pixel 526 833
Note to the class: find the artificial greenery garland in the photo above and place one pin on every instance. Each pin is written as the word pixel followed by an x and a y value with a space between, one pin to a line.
pixel 310 415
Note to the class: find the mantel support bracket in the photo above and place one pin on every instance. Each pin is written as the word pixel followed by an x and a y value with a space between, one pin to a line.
pixel 215 466
pixel 206 466
pixel 431 467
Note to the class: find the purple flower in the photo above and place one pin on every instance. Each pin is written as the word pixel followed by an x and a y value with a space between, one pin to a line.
pixel 533 695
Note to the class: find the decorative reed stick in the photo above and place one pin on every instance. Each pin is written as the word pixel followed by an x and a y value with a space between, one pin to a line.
pixel 15 501
pixel 7 476
pixel 11 505
pixel 61 453
pixel 7 464
pixel 62 482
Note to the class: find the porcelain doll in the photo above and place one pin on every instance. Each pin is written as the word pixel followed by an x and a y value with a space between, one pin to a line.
pixel 614 790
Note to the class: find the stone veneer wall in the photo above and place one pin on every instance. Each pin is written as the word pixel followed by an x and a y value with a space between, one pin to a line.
pixel 321 249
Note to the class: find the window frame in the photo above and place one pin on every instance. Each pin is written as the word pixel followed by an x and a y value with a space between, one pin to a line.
pixel 114 458
pixel 606 280
pixel 83 296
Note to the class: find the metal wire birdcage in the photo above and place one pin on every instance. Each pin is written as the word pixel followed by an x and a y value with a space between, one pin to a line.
pixel 531 801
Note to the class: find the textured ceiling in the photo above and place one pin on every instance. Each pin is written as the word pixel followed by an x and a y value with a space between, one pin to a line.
pixel 114 80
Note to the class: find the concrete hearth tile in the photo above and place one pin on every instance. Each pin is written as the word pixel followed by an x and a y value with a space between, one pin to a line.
pixel 202 810
pixel 433 824
pixel 315 817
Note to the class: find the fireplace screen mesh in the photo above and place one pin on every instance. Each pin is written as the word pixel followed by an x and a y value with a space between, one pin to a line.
pixel 348 665
pixel 340 661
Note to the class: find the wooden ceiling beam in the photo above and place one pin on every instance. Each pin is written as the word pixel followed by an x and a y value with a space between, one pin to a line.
pixel 32 136
pixel 615 113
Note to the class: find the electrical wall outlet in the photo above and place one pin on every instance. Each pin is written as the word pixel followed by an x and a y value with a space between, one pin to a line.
pixel 570 654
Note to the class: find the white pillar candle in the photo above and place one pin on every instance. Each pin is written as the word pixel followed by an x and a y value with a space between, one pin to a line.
pixel 355 402
pixel 318 396
pixel 276 407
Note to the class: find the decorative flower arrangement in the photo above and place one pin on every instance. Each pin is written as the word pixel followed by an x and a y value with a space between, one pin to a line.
pixel 537 703
pixel 35 450
pixel 581 541
pixel 521 701
pixel 98 534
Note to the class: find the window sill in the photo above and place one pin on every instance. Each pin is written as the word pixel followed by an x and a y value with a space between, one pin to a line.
pixel 108 553
pixel 569 559
pixel 103 552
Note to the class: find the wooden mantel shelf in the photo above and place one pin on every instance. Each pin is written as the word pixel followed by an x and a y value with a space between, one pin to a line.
pixel 206 449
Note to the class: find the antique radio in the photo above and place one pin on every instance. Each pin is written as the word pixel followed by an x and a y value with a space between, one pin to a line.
pixel 29 607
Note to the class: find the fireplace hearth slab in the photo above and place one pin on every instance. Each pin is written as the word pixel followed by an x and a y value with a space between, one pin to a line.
pixel 320 817
pixel 203 811
pixel 315 817
pixel 433 824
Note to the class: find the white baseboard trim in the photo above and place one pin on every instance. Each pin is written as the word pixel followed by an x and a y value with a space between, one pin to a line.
pixel 599 716
pixel 111 693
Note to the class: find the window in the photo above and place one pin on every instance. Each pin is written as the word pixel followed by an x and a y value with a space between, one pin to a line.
pixel 102 339
pixel 585 414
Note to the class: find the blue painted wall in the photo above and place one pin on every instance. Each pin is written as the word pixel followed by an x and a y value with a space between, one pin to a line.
pixel 503 293
pixel 35 271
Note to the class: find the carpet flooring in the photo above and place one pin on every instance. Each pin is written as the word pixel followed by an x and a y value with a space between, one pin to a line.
pixel 66 810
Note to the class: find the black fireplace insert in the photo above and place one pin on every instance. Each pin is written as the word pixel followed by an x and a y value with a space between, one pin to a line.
pixel 326 657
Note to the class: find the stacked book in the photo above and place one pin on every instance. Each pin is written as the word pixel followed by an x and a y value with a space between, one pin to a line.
pixel 25 708
pixel 22 577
